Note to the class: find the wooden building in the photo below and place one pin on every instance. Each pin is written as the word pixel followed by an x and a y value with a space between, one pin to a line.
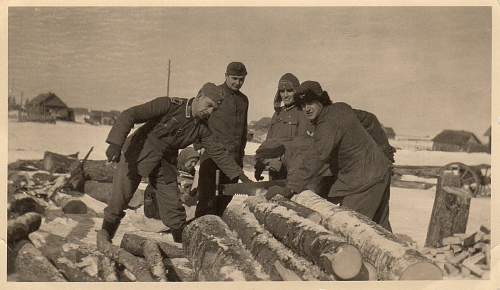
pixel 47 107
pixel 457 141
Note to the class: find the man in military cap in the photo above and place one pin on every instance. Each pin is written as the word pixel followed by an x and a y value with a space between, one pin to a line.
pixel 342 146
pixel 151 151
pixel 229 126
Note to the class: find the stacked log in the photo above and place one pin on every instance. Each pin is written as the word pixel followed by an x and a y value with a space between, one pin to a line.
pixel 216 253
pixel 32 266
pixel 465 255
pixel 276 259
pixel 392 258
pixel 20 227
pixel 308 239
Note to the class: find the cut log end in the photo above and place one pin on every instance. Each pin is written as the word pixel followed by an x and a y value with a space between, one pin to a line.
pixel 422 271
pixel 75 206
pixel 345 263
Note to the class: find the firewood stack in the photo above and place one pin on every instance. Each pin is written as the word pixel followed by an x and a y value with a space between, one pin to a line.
pixel 464 256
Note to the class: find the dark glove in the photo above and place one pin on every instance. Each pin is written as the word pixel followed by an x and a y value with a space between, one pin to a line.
pixel 259 167
pixel 245 178
pixel 274 190
pixel 113 152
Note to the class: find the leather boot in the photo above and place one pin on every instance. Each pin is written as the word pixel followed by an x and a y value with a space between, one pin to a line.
pixel 110 228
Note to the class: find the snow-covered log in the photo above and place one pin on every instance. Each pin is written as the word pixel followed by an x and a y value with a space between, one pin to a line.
pixel 135 244
pixel 216 254
pixel 307 238
pixel 136 265
pixel 265 248
pixel 20 227
pixel 392 258
pixel 301 210
pixel 33 266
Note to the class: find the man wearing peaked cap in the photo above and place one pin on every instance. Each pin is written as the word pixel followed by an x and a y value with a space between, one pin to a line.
pixel 170 124
pixel 229 126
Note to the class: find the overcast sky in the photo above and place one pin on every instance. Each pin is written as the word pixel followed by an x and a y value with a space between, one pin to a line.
pixel 419 69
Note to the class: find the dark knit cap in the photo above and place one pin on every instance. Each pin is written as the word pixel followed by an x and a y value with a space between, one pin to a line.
pixel 287 81
pixel 309 91
pixel 267 151
pixel 212 91
pixel 236 69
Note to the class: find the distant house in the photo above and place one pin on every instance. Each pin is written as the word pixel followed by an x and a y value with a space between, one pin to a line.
pixel 47 106
pixel 457 141
pixel 390 133
pixel 78 114
pixel 488 134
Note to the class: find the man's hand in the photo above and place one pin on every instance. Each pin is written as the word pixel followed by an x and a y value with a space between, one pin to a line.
pixel 245 178
pixel 259 167
pixel 274 190
pixel 113 152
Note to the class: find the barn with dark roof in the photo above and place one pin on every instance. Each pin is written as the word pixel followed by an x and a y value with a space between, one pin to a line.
pixel 457 141
pixel 47 106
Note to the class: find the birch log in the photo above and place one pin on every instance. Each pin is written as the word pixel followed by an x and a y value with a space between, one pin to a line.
pixel 216 253
pixel 20 227
pixel 135 244
pixel 392 258
pixel 33 266
pixel 265 248
pixel 308 239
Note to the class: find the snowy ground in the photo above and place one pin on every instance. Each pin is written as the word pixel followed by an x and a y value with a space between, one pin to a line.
pixel 410 208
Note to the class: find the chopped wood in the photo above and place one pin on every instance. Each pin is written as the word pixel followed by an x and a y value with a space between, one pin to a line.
pixel 452 241
pixel 134 244
pixel 456 248
pixel 471 262
pixel 485 229
pixel 20 227
pixel 393 258
pixel 155 260
pixel 33 266
pixel 216 254
pixel 58 163
pixel 265 248
pixel 458 258
pixel 135 265
pixel 308 239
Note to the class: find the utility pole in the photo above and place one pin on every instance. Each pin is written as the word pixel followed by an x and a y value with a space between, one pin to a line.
pixel 168 79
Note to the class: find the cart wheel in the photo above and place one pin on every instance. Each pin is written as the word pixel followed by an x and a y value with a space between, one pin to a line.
pixel 469 178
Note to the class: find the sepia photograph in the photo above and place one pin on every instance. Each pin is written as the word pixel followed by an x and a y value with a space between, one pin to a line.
pixel 258 143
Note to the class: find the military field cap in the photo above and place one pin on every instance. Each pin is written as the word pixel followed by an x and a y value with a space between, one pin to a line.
pixel 309 91
pixel 212 91
pixel 288 81
pixel 270 150
pixel 236 69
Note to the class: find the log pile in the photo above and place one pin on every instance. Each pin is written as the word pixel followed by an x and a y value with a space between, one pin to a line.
pixel 464 255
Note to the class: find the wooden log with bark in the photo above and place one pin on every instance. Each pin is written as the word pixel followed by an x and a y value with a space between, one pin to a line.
pixel 58 163
pixel 393 259
pixel 301 210
pixel 99 170
pixel 20 227
pixel 179 269
pixel 308 239
pixel 155 260
pixel 216 254
pixel 22 204
pixel 265 248
pixel 107 269
pixel 134 244
pixel 136 265
pixel 32 266
pixel 450 211
pixel 77 261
